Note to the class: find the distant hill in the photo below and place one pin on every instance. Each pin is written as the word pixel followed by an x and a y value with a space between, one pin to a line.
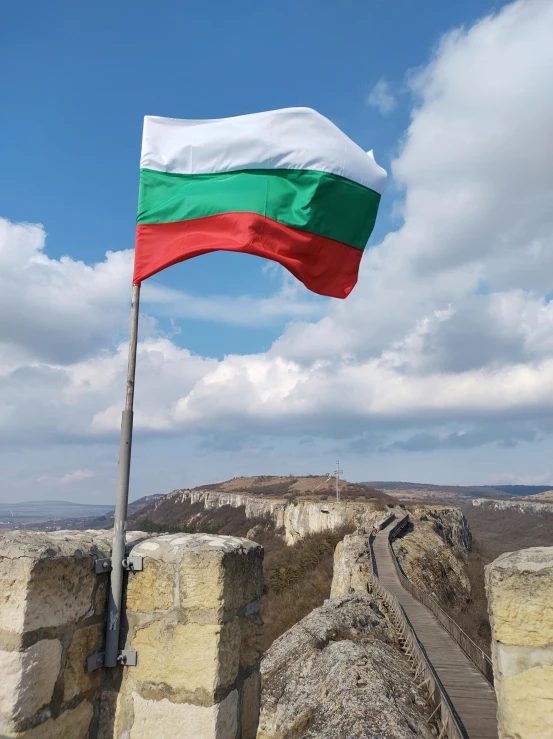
pixel 306 487
pixel 52 515
pixel 33 511
pixel 185 510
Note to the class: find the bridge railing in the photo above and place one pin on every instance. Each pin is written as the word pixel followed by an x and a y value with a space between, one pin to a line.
pixel 472 650
pixel 425 675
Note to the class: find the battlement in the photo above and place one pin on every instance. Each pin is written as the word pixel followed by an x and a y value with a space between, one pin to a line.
pixel 192 615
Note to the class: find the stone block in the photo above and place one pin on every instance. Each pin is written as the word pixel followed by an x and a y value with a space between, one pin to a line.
pixel 27 681
pixel 72 724
pixel 188 657
pixel 76 678
pixel 47 579
pixel 249 706
pixel 14 577
pixel 201 582
pixel 224 578
pixel 60 592
pixel 520 588
pixel 183 720
pixel 153 588
pixel 527 704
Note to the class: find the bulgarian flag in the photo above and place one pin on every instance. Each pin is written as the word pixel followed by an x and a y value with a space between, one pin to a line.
pixel 286 185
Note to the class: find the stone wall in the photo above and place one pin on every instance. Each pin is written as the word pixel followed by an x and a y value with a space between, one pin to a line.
pixel 520 595
pixel 52 615
pixel 192 615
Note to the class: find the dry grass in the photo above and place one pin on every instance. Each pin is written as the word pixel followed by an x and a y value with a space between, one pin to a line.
pixel 310 487
pixel 297 580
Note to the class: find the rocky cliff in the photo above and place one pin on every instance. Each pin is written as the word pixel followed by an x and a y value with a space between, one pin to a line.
pixel 432 552
pixel 352 566
pixel 339 673
pixel 521 506
pixel 295 518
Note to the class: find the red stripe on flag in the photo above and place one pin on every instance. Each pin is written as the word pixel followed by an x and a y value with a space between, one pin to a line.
pixel 325 266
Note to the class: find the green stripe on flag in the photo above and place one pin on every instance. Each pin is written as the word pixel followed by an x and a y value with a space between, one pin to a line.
pixel 318 202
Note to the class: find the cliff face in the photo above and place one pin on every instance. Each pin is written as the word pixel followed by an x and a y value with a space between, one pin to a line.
pixel 447 522
pixel 432 552
pixel 522 506
pixel 352 566
pixel 296 518
pixel 339 673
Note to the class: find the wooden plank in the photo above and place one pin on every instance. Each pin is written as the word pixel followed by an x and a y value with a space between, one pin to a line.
pixel 471 694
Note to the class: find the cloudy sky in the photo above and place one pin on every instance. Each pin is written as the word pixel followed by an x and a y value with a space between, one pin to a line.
pixel 437 368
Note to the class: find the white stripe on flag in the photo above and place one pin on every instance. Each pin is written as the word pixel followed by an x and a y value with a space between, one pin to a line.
pixel 291 138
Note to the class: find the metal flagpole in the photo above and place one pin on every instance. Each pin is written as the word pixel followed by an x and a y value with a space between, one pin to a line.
pixel 118 562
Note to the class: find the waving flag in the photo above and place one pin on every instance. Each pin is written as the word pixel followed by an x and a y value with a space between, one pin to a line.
pixel 286 185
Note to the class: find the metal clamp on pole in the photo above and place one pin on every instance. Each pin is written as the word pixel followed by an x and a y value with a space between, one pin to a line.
pixel 125 657
pixel 134 563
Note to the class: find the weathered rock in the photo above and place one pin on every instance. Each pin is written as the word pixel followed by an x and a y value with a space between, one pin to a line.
pixel 339 674
pixel 520 595
pixel 448 522
pixel 296 519
pixel 352 566
pixel 432 552
pixel 531 505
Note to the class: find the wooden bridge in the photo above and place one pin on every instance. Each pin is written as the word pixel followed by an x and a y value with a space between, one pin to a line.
pixel 470 693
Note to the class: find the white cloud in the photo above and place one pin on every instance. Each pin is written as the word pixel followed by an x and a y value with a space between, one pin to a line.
pixel 382 98
pixel 58 310
pixel 69 478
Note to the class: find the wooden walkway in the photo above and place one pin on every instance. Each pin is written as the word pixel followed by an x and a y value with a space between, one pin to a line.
pixel 471 694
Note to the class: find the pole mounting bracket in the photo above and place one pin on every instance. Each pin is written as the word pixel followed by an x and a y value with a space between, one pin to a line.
pixel 125 657
pixel 134 563
pixel 102 565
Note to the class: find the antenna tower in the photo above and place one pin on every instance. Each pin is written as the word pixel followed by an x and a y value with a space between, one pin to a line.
pixel 337 473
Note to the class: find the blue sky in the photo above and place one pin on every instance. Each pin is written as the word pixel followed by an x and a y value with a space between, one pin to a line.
pixel 78 79
pixel 82 76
